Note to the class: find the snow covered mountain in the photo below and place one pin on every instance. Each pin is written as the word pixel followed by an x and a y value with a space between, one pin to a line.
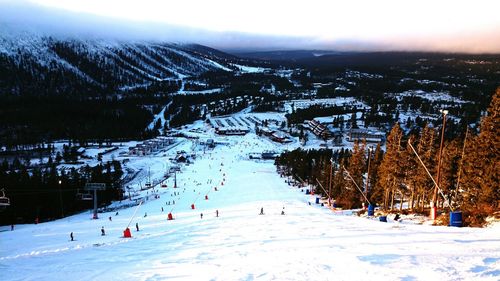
pixel 32 62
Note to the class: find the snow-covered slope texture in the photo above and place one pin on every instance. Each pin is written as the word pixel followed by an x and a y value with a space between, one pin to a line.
pixel 29 58
pixel 231 241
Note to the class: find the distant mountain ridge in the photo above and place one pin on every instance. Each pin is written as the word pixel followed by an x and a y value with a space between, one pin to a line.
pixel 32 63
pixel 286 55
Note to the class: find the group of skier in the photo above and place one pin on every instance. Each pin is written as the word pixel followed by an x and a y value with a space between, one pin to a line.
pixel 103 231
pixel 262 211
pixel 216 214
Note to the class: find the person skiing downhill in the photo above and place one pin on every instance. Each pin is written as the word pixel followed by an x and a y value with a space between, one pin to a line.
pixel 137 226
pixel 71 236
pixel 217 213
pixel 201 216
pixel 102 231
pixel 261 211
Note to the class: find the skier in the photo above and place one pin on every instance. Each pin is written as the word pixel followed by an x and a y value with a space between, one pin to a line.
pixel 283 211
pixel 201 216
pixel 116 214
pixel 396 218
pixel 137 226
pixel 110 218
pixel 162 209
pixel 261 211
pixel 12 227
pixel 102 231
pixel 71 236
pixel 145 214
pixel 217 213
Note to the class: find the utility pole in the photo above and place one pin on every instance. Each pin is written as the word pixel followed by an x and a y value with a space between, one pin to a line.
pixel 355 184
pixel 330 183
pixel 438 177
pixel 462 159
pixel 368 171
pixel 428 173
pixel 60 200
pixel 175 179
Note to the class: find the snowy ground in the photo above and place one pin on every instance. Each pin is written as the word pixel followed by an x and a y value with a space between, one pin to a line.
pixel 309 242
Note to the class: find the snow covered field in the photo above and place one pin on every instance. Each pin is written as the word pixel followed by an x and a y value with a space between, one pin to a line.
pixel 309 242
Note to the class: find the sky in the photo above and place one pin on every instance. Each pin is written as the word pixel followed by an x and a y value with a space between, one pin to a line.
pixel 427 25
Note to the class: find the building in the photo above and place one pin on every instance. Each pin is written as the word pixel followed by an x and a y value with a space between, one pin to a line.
pixel 370 136
pixel 318 129
pixel 269 155
pixel 280 137
pixel 149 146
pixel 232 131
pixel 266 131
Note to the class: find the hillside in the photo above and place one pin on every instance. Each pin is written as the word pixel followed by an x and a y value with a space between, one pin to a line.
pixel 32 63
pixel 309 242
pixel 54 87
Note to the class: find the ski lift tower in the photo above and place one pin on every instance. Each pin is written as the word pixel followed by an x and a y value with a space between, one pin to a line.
pixel 95 187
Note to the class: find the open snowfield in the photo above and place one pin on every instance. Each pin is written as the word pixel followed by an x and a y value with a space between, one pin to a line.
pixel 309 242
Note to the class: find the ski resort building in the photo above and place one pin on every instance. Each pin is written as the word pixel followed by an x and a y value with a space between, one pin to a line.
pixel 269 155
pixel 149 146
pixel 280 137
pixel 266 131
pixel 370 136
pixel 320 130
pixel 232 131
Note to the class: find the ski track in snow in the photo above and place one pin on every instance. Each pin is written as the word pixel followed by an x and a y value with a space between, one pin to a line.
pixel 308 243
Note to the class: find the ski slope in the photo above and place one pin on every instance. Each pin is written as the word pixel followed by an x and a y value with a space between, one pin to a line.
pixel 309 242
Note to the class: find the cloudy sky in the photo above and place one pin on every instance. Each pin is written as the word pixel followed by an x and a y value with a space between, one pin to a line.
pixel 427 25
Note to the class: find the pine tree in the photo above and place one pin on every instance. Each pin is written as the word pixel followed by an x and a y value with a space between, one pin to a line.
pixel 481 166
pixel 389 170
pixel 412 169
pixel 338 182
pixel 377 157
pixel 449 169
pixel 427 151
pixel 350 195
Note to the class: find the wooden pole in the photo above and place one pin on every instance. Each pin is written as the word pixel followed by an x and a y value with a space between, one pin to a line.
pixel 428 173
pixel 361 191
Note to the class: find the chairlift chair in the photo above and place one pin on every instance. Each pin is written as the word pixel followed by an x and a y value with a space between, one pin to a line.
pixel 84 196
pixel 4 201
pixel 87 197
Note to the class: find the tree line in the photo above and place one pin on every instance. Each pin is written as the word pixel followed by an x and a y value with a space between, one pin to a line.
pixel 44 193
pixel 468 175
